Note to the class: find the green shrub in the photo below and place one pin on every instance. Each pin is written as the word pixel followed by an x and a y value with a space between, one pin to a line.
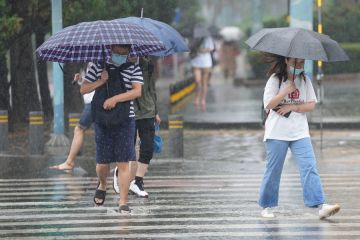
pixel 341 21
pixel 259 68
pixel 282 21
pixel 352 66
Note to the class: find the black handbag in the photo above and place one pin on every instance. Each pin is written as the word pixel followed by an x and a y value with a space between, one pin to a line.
pixel 115 85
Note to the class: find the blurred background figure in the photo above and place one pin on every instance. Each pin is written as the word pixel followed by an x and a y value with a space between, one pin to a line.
pixel 201 47
pixel 230 49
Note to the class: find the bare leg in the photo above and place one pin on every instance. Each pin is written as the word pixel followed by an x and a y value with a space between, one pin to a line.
pixel 133 164
pixel 197 76
pixel 205 79
pixel 133 168
pixel 76 144
pixel 141 169
pixel 124 181
pixel 102 171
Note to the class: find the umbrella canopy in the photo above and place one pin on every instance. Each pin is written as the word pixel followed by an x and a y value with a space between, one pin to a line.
pixel 171 38
pixel 200 31
pixel 297 43
pixel 84 42
pixel 231 33
pixel 214 31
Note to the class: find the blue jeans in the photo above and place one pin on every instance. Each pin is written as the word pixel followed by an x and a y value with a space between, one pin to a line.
pixel 86 117
pixel 302 150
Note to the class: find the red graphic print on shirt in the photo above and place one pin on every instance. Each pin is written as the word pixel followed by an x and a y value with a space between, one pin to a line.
pixel 295 94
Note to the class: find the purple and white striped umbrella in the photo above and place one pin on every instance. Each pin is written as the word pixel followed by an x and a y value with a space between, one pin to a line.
pixel 84 42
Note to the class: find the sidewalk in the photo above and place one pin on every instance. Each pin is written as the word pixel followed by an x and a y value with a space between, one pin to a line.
pixel 232 106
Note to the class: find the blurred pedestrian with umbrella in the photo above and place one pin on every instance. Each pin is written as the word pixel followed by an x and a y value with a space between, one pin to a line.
pixel 231 36
pixel 201 62
pixel 288 96
pixel 146 111
pixel 108 44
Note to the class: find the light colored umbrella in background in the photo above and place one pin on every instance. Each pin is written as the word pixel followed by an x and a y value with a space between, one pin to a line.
pixel 171 38
pixel 231 33
pixel 201 31
pixel 298 43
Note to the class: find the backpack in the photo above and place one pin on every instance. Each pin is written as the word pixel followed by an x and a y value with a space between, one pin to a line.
pixel 115 85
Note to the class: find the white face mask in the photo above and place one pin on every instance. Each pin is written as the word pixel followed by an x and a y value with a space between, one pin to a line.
pixel 298 71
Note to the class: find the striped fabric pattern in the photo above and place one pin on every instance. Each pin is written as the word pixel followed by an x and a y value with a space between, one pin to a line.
pixel 132 74
pixel 83 42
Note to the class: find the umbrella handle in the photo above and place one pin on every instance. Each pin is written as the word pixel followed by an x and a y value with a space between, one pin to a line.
pixel 294 70
pixel 103 56
pixel 104 67
pixel 62 69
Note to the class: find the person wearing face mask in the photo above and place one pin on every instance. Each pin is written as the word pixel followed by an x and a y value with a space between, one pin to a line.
pixel 288 96
pixel 114 143
pixel 146 116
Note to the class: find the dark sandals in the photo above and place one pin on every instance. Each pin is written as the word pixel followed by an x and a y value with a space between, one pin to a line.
pixel 99 194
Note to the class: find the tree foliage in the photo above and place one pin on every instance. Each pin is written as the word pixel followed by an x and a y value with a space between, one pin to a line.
pixel 341 21
pixel 9 26
pixel 20 20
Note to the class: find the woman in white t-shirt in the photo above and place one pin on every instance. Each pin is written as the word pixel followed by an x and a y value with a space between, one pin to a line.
pixel 202 65
pixel 288 96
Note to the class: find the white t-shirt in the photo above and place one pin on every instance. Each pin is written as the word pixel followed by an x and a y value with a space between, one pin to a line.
pixel 203 60
pixel 88 96
pixel 296 125
pixel 130 75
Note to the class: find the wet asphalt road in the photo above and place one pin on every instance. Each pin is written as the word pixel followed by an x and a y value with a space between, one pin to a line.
pixel 210 194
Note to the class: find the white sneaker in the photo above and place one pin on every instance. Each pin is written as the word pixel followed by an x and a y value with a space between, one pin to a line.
pixel 267 213
pixel 328 210
pixel 138 189
pixel 115 181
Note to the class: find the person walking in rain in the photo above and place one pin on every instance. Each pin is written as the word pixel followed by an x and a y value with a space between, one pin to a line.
pixel 229 52
pixel 115 144
pixel 288 96
pixel 146 115
pixel 201 62
pixel 79 131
